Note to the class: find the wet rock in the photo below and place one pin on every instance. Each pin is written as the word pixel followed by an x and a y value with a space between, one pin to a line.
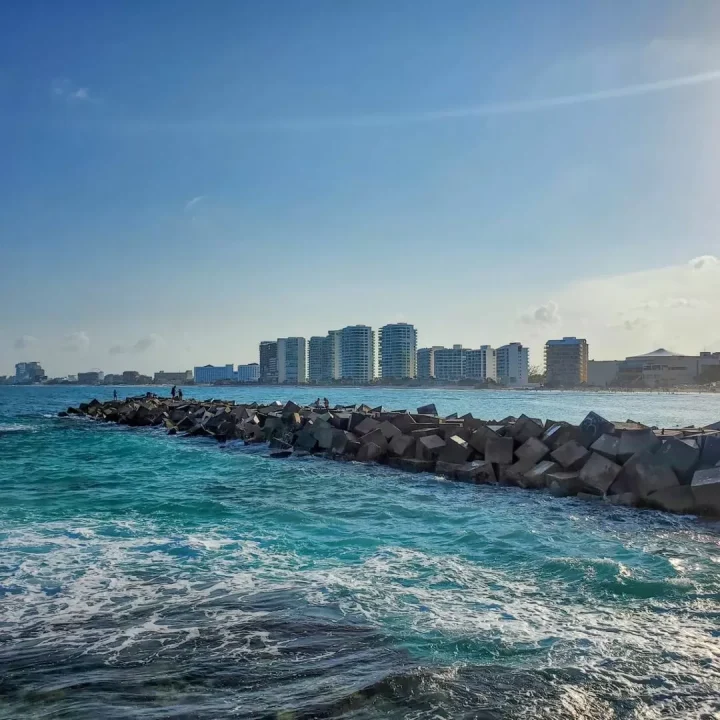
pixel 563 484
pixel 598 473
pixel 370 452
pixel 678 499
pixel 682 456
pixel 456 451
pixel 536 476
pixel 478 471
pixel 429 447
pixel 415 465
pixel 572 455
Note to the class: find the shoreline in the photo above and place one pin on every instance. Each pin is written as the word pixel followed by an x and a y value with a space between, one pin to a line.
pixel 621 463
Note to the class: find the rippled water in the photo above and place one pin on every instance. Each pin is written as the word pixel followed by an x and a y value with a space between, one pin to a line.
pixel 147 576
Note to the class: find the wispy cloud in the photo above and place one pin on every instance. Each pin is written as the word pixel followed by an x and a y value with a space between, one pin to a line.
pixel 75 342
pixel 192 203
pixel 24 342
pixel 65 88
pixel 704 261
pixel 144 344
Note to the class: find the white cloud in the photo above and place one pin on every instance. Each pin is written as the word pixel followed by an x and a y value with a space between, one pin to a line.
pixel 704 261
pixel 75 342
pixel 24 342
pixel 543 315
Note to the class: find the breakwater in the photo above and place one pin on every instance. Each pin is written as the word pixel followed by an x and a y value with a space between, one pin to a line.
pixel 622 463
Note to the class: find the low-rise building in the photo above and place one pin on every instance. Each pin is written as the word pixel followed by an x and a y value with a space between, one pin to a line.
pixel 603 373
pixel 662 368
pixel 248 373
pixel 208 374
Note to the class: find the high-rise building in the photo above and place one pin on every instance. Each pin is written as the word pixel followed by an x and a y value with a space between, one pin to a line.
pixel 268 361
pixel 173 378
pixel 92 377
pixel 332 355
pixel 358 353
pixel 29 372
pixel 513 364
pixel 291 360
pixel 426 362
pixel 481 364
pixel 317 351
pixel 209 374
pixel 248 373
pixel 398 351
pixel 450 363
pixel 566 361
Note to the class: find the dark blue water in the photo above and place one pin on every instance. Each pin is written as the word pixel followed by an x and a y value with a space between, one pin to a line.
pixel 147 576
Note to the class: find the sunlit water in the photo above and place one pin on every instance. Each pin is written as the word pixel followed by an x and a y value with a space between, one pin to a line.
pixel 147 576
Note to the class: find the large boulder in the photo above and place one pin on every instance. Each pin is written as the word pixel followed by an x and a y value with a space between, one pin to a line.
pixel 402 446
pixel 678 499
pixel 607 445
pixel 375 436
pixel 428 447
pixel 644 474
pixel 558 434
pixel 563 483
pixel 536 476
pixel 456 450
pixel 592 427
pixel 403 422
pixel 389 430
pixel 710 453
pixel 429 409
pixel 479 438
pixel 478 471
pixel 370 452
pixel 526 428
pixel 416 465
pixel 706 491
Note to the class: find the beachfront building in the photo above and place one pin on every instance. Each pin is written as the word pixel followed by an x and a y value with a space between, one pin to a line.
pixel 513 364
pixel 450 363
pixel 602 373
pixel 268 361
pixel 291 360
pixel 208 374
pixel 92 377
pixel 248 373
pixel 481 364
pixel 398 351
pixel 357 362
pixel 662 368
pixel 173 378
pixel 566 362
pixel 332 356
pixel 426 362
pixel 29 372
pixel 316 358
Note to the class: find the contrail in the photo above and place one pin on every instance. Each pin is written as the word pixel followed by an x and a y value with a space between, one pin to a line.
pixel 490 109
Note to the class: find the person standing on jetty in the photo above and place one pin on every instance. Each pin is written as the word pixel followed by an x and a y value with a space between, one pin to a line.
pixel 179 393
pixel 172 392
pixel 114 394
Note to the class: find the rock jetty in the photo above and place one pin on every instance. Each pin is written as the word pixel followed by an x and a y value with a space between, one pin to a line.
pixel 676 469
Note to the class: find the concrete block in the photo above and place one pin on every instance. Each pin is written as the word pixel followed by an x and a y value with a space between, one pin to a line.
pixel 626 499
pixel 403 422
pixel 447 431
pixel 526 428
pixel 572 455
pixel 532 450
pixel 425 419
pixel 563 484
pixel 706 491
pixel 710 452
pixel 558 434
pixel 324 437
pixel 370 452
pixel 456 450
pixel 290 408
pixel 389 430
pixel 592 497
pixel 592 427
pixel 713 426
pixel 634 441
pixel 513 474
pixel 305 440
pixel 402 446
pixel 375 436
pixel 678 499
pixel 365 426
pixel 471 423
pixel 479 471
pixel 499 450
pixel 607 446
pixel 598 473
pixel 416 465
pixel 341 420
pixel 681 456
pixel 448 469
pixel 535 476
pixel 479 438
pixel 429 409
pixel 452 416
pixel 429 447
pixel 653 476
pixel 710 476
pixel 343 442
pixel 424 431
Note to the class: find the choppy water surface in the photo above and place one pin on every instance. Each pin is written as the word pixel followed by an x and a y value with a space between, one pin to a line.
pixel 147 576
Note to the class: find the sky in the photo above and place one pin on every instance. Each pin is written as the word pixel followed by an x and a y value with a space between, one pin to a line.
pixel 179 181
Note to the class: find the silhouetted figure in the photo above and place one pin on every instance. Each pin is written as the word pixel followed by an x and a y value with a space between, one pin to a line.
pixel 172 392
pixel 317 403
pixel 114 394
pixel 326 402
pixel 179 393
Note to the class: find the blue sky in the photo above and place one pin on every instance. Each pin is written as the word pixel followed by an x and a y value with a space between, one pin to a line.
pixel 182 180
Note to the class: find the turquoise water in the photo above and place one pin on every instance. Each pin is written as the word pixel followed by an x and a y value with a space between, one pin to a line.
pixel 147 576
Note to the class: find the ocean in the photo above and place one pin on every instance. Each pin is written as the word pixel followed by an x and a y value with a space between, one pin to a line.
pixel 148 576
